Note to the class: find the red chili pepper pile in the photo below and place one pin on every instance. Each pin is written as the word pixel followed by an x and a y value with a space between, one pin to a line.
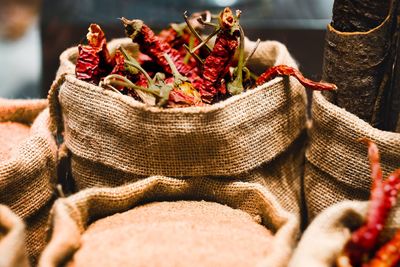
pixel 361 249
pixel 177 67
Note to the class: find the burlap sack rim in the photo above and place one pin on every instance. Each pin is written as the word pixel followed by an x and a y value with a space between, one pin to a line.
pixel 332 29
pixel 12 245
pixel 44 144
pixel 67 240
pixel 13 110
pixel 318 255
pixel 355 126
pixel 189 110
pixel 235 168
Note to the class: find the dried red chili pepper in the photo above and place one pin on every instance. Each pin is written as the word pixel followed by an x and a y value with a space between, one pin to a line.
pixel 216 65
pixel 151 45
pixel 383 197
pixel 94 60
pixel 283 70
pixel 388 255
pixel 184 93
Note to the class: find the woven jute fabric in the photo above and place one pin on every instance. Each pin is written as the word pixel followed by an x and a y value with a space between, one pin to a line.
pixel 72 215
pixel 337 166
pixel 12 239
pixel 326 236
pixel 28 176
pixel 115 139
pixel 21 110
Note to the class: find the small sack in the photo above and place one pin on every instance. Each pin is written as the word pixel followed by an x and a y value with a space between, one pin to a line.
pixel 255 136
pixel 326 236
pixel 28 174
pixel 12 240
pixel 72 215
pixel 337 166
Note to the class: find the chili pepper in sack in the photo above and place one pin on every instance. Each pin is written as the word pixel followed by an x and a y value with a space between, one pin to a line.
pixel 217 64
pixel 183 94
pixel 153 46
pixel 389 254
pixel 283 70
pixel 94 60
pixel 383 197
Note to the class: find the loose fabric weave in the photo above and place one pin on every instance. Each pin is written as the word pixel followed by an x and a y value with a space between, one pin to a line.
pixel 326 236
pixel 72 215
pixel 256 136
pixel 337 166
pixel 27 177
pixel 12 240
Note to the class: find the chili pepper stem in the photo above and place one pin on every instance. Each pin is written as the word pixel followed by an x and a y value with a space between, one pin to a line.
pixel 236 87
pixel 137 65
pixel 178 78
pixel 198 59
pixel 206 40
pixel 128 57
pixel 252 52
pixel 188 53
pixel 115 79
pixel 194 32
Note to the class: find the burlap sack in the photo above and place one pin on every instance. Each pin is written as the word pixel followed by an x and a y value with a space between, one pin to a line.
pixel 326 236
pixel 72 215
pixel 255 136
pixel 337 166
pixel 27 177
pixel 12 240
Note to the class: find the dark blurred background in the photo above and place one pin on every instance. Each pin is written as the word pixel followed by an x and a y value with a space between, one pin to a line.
pixel 33 33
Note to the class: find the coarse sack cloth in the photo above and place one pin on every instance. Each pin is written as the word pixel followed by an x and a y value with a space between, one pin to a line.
pixel 72 215
pixel 337 166
pixel 326 236
pixel 28 176
pixel 12 239
pixel 255 136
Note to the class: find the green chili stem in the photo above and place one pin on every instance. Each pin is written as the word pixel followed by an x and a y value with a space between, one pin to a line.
pixel 136 65
pixel 241 56
pixel 198 59
pixel 206 40
pixel 195 33
pixel 252 52
pixel 123 81
pixel 178 78
pixel 192 39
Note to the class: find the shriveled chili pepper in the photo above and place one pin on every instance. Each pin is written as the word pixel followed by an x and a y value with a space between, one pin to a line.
pixel 216 65
pixel 152 46
pixel 383 197
pixel 388 255
pixel 184 93
pixel 283 70
pixel 93 60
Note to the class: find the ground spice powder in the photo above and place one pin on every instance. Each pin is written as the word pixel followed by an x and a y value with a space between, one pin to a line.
pixel 11 134
pixel 182 233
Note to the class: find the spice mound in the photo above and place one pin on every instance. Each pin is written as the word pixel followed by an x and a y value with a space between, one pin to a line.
pixel 11 134
pixel 182 233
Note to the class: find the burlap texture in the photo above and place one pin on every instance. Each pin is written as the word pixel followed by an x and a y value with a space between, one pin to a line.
pixel 114 139
pixel 71 216
pixel 337 166
pixel 27 177
pixel 12 239
pixel 326 236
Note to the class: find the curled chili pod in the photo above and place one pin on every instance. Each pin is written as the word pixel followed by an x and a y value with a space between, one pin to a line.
pixel 283 70
pixel 217 64
pixel 94 59
pixel 153 46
